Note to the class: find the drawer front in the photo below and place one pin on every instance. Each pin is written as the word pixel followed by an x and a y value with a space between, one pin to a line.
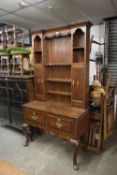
pixel 34 117
pixel 60 123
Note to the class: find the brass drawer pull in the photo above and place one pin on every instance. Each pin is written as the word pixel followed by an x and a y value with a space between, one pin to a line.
pixel 73 82
pixel 59 125
pixel 34 117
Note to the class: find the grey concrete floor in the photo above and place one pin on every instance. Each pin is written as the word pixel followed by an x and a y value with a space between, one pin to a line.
pixel 48 155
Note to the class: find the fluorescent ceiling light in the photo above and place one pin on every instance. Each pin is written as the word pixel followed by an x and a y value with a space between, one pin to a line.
pixel 23 4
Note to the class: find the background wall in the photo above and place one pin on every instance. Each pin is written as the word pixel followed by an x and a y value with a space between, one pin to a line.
pixel 98 32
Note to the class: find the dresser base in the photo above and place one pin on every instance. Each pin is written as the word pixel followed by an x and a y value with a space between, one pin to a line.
pixel 56 119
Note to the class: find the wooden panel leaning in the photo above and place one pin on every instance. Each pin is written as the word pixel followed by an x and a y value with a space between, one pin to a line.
pixel 102 119
pixel 109 118
pixel 96 129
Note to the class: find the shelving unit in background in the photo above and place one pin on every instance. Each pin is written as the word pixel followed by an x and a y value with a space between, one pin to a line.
pixel 20 61
pixel 15 37
pixel 5 62
pixel 3 39
pixel 16 77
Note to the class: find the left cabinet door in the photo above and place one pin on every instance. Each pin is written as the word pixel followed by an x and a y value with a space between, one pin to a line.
pixel 4 101
pixel 20 91
pixel 39 82
pixel 38 66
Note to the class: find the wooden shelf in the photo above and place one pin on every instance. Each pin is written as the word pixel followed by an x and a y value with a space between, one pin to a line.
pixel 78 65
pixel 38 51
pixel 78 48
pixel 59 93
pixel 52 64
pixel 59 80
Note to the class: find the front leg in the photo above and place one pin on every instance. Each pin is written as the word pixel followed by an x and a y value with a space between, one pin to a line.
pixel 27 133
pixel 76 151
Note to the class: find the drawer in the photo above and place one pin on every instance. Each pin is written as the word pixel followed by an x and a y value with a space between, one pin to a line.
pixel 60 123
pixel 34 117
pixel 60 133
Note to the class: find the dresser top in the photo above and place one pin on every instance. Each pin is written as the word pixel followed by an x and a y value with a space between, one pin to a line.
pixel 55 108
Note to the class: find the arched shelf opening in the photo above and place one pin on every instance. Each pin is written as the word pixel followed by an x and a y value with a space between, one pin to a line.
pixel 78 46
pixel 37 44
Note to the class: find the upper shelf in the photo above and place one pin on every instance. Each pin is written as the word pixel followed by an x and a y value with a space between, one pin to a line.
pixel 37 51
pixel 59 80
pixel 55 64
pixel 59 93
pixel 78 48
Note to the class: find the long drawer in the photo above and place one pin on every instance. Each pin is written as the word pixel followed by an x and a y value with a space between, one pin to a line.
pixel 34 117
pixel 59 123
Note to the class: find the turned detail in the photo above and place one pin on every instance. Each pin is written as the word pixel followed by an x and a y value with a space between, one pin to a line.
pixel 27 133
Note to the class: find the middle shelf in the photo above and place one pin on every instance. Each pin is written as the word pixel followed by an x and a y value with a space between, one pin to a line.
pixel 59 93
pixel 59 80
pixel 57 64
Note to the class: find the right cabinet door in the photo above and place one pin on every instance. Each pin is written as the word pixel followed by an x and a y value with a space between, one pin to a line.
pixel 77 85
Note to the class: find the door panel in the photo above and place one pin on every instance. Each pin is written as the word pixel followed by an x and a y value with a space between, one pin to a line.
pixel 38 83
pixel 77 83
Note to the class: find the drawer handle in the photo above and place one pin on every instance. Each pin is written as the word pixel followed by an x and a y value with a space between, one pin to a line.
pixel 59 124
pixel 34 117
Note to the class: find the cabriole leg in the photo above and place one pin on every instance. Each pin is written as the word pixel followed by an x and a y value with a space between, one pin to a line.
pixel 75 155
pixel 27 133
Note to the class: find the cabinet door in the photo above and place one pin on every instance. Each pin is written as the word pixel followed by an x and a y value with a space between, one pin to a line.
pixel 4 101
pixel 77 83
pixel 38 83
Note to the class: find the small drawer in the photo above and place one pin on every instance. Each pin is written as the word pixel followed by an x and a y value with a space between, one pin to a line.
pixel 34 117
pixel 60 123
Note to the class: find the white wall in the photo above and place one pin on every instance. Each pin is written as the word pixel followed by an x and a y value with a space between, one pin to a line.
pixel 98 32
